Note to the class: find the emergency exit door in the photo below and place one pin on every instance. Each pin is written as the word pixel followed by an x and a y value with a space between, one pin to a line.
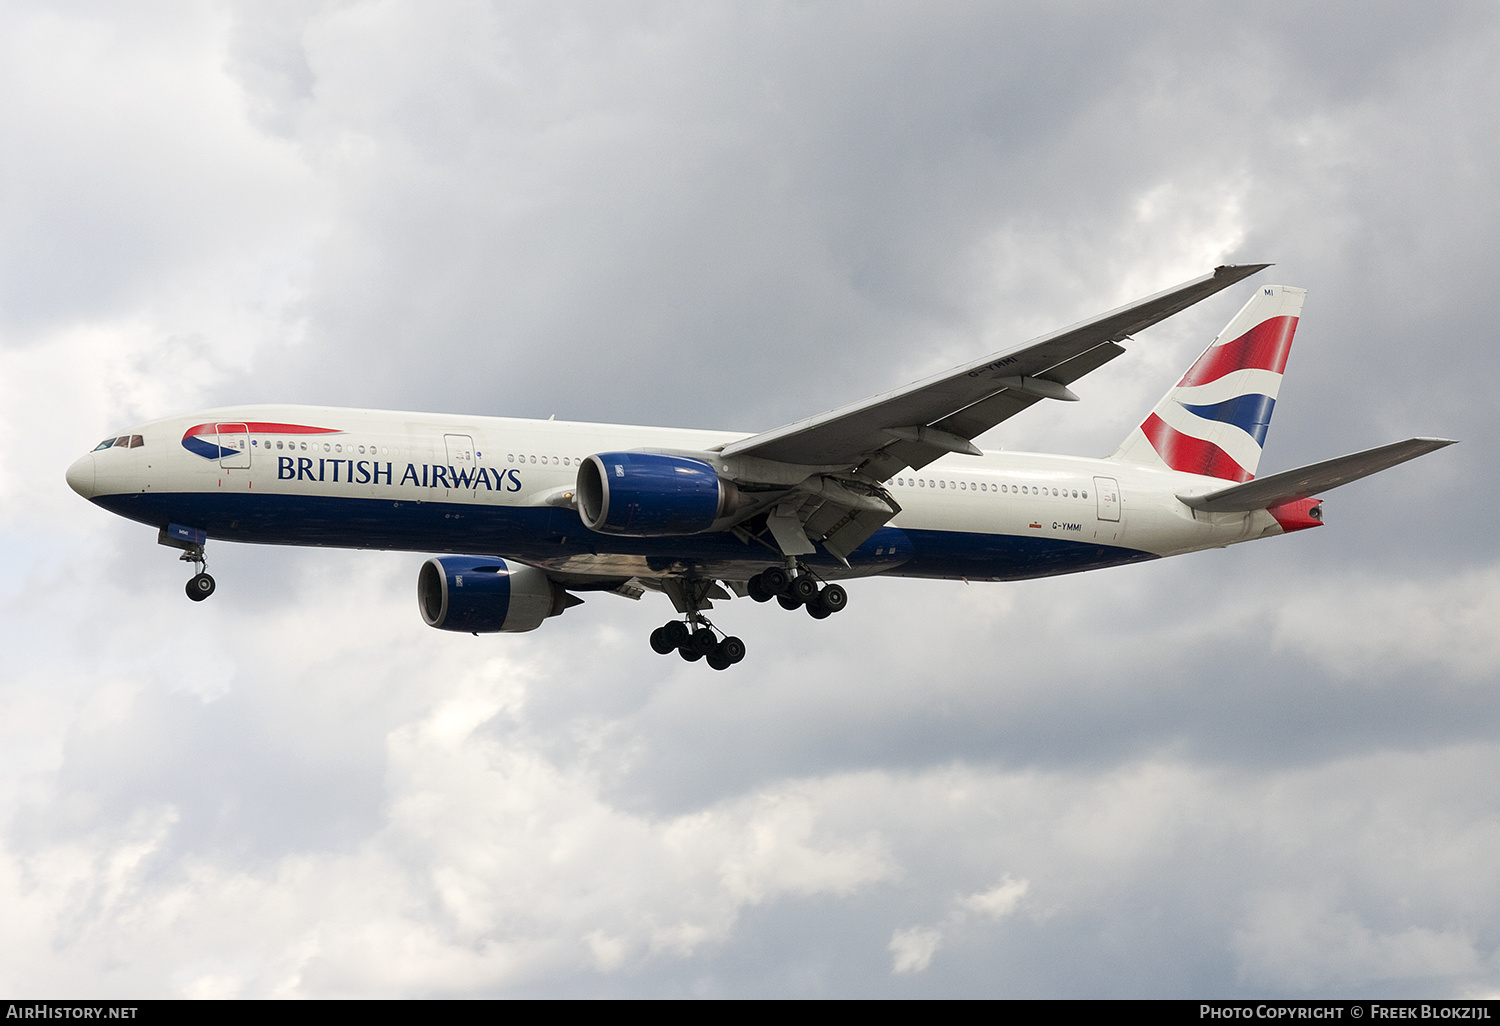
pixel 234 446
pixel 463 462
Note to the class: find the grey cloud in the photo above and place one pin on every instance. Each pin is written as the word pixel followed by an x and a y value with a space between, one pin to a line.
pixel 1262 770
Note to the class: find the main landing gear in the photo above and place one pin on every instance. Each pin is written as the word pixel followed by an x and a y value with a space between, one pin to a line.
pixel 697 640
pixel 791 591
pixel 792 586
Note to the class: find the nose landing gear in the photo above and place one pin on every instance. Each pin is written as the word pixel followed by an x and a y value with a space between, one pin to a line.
pixel 191 541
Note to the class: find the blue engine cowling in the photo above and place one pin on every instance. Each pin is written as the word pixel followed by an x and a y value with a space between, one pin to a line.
pixel 484 594
pixel 646 494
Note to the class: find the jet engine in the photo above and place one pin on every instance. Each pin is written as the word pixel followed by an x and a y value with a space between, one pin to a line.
pixel 483 595
pixel 645 494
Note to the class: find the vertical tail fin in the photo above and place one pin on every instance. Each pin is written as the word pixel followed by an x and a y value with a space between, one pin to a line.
pixel 1214 421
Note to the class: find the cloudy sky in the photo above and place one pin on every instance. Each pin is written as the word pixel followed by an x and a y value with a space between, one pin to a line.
pixel 1272 769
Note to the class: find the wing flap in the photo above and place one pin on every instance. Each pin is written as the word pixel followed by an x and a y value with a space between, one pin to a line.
pixel 1290 485
pixel 1084 363
pixel 851 534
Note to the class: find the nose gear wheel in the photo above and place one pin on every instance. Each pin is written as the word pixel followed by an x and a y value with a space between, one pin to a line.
pixel 200 587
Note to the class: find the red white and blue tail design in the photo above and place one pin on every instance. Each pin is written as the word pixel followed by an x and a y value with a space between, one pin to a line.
pixel 1214 421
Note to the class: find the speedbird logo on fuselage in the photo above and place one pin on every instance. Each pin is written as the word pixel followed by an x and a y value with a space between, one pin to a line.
pixel 204 439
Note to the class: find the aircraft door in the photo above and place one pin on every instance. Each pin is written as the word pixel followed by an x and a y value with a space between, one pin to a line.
pixel 463 462
pixel 234 446
pixel 1108 492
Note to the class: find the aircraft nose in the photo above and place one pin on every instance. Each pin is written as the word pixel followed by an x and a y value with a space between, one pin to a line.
pixel 81 476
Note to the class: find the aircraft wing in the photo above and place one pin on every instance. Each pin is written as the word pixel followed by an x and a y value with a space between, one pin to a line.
pixel 1304 482
pixel 915 425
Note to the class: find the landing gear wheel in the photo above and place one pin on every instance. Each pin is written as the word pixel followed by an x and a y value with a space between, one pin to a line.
pixel 675 632
pixel 732 650
pixel 833 598
pixel 200 587
pixel 718 662
pixel 691 655
pixel 787 602
pixel 704 641
pixel 659 643
pixel 774 580
pixel 818 611
pixel 758 590
pixel 804 589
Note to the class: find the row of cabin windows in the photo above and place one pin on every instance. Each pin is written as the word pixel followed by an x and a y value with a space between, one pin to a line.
pixel 567 461
pixel 338 447
pixel 985 486
pixel 383 450
pixel 556 461
pixel 122 442
pixel 135 441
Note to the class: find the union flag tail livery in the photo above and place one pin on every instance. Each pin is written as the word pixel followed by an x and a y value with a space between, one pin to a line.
pixel 1214 421
pixel 526 516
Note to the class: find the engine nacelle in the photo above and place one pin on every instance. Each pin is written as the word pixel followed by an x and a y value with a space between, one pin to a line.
pixel 483 595
pixel 646 494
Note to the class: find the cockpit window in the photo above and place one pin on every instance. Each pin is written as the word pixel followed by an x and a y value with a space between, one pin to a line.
pixel 122 442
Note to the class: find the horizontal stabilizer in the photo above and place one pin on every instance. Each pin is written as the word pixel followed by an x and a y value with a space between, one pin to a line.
pixel 1266 492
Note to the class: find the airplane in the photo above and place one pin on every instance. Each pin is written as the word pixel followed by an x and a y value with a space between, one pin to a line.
pixel 528 514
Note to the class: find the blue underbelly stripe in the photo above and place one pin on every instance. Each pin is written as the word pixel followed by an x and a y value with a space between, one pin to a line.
pixel 550 536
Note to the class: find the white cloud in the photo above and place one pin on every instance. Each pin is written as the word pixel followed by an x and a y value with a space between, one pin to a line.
pixel 1000 900
pixel 912 949
pixel 493 866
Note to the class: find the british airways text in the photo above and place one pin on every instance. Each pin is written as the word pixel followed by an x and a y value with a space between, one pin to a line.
pixel 426 475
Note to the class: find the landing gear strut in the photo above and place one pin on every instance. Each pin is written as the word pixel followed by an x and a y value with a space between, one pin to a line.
pixel 191 542
pixel 791 591
pixel 696 638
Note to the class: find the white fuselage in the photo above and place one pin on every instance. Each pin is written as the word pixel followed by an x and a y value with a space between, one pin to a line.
pixel 501 486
